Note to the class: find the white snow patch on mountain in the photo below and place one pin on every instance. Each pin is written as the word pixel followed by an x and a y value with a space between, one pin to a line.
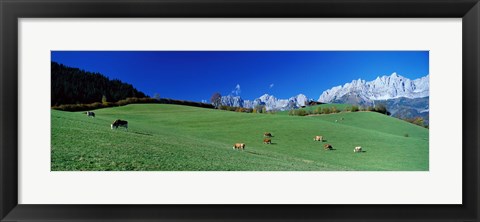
pixel 269 101
pixel 382 88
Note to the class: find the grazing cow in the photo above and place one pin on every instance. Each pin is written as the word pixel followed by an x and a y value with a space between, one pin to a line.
pixel 358 149
pixel 327 147
pixel 267 134
pixel 92 114
pixel 239 146
pixel 267 141
pixel 119 123
pixel 318 138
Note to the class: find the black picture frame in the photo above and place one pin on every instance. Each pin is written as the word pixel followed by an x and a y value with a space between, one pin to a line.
pixel 11 11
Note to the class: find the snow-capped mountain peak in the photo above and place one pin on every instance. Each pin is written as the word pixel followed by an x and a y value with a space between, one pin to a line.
pixel 382 88
pixel 269 101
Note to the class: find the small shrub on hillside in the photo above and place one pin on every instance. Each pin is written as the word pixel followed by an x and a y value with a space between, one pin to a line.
pixel 131 100
pixel 122 103
pixel 417 121
pixel 228 108
pixel 326 110
pixel 243 110
pixel 260 109
pixel 248 110
pixel 405 135
pixel 335 110
pixel 298 112
pixel 381 109
pixel 301 112
pixel 98 105
pixel 231 108
pixel 239 109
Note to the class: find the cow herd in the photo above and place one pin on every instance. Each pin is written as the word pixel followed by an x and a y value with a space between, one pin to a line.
pixel 267 140
pixel 117 123
pixel 237 146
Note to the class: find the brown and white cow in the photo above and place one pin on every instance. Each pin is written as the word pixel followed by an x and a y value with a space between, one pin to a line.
pixel 327 147
pixel 318 138
pixel 267 134
pixel 119 123
pixel 239 146
pixel 357 149
pixel 267 141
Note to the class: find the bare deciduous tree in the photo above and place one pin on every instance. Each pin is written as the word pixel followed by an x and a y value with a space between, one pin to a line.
pixel 216 100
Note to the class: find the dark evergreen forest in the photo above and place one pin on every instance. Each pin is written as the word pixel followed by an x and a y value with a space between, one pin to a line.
pixel 76 86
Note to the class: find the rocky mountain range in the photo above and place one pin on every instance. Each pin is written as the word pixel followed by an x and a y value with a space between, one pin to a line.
pixel 404 98
pixel 269 101
pixel 382 88
pixel 405 108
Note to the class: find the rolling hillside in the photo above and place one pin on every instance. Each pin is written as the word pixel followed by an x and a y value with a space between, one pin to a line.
pixel 165 137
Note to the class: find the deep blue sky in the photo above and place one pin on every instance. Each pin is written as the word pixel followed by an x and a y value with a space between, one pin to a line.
pixel 196 75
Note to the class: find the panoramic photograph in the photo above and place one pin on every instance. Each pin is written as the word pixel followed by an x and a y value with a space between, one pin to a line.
pixel 239 110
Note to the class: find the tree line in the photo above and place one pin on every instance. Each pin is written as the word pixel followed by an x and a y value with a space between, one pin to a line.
pixel 75 86
pixel 327 110
pixel 129 100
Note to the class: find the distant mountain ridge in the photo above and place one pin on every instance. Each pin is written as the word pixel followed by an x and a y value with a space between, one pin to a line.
pixel 382 88
pixel 269 101
pixel 403 98
pixel 405 108
pixel 395 90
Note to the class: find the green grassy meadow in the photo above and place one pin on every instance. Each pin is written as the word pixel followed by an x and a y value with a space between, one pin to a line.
pixel 165 137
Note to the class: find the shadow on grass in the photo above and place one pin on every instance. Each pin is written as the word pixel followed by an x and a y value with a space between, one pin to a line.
pixel 145 134
pixel 251 152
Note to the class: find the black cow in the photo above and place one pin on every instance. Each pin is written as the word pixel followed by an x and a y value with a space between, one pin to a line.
pixel 119 123
pixel 92 114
